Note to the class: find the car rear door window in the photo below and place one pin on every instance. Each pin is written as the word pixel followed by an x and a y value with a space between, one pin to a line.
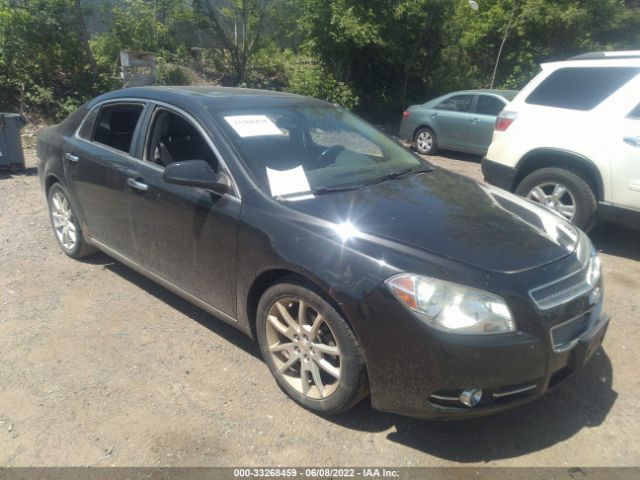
pixel 580 88
pixel 457 103
pixel 635 113
pixel 116 125
pixel 86 130
pixel 489 105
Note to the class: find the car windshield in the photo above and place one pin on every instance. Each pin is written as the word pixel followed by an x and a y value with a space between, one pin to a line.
pixel 296 149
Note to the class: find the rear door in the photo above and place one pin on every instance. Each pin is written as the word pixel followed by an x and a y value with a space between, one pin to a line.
pixel 451 120
pixel 97 161
pixel 186 235
pixel 625 166
pixel 483 120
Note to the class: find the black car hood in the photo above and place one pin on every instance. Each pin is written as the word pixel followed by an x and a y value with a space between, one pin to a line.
pixel 451 216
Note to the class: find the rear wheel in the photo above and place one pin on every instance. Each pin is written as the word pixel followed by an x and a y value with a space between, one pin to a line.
pixel 65 224
pixel 563 191
pixel 426 142
pixel 310 350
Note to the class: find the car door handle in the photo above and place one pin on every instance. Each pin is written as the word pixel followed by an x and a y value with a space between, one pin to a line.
pixel 70 157
pixel 434 115
pixel 633 141
pixel 474 120
pixel 136 185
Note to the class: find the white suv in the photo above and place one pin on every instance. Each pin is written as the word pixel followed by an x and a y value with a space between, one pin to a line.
pixel 571 139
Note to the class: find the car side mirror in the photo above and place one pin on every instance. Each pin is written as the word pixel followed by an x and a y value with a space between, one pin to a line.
pixel 197 173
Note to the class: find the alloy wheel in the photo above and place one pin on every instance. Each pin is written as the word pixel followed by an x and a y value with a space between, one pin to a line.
pixel 304 348
pixel 555 196
pixel 63 221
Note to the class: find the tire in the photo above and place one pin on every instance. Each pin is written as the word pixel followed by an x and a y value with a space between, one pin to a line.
pixel 578 192
pixel 333 334
pixel 67 231
pixel 428 144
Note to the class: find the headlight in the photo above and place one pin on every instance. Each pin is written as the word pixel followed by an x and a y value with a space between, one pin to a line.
pixel 451 307
pixel 595 269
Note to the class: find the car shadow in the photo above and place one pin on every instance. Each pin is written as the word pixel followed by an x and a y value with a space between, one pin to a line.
pixel 617 240
pixel 23 172
pixel 582 401
pixel 460 156
pixel 215 325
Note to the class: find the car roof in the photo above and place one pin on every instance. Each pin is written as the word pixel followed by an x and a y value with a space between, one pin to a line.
pixel 208 96
pixel 607 55
pixel 506 94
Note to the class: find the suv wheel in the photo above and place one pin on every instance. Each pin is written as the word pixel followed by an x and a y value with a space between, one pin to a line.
pixel 310 349
pixel 563 191
pixel 426 142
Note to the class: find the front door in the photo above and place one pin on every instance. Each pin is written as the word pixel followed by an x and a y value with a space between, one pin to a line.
pixel 96 164
pixel 186 235
pixel 451 120
pixel 625 166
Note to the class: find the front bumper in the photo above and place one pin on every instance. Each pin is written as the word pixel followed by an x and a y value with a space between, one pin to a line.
pixel 427 371
pixel 498 174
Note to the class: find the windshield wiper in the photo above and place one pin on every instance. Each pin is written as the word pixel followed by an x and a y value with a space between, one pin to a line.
pixel 339 188
pixel 320 191
pixel 400 173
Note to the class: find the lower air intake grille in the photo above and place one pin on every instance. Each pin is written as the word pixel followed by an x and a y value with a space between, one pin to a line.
pixel 564 334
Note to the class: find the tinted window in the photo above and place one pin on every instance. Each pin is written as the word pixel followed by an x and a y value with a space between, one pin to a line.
pixel 580 88
pixel 116 124
pixel 488 105
pixel 635 113
pixel 174 139
pixel 87 127
pixel 457 103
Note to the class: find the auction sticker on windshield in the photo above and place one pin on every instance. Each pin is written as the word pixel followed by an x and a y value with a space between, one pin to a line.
pixel 252 125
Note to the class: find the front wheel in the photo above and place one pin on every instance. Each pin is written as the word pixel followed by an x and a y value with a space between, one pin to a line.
pixel 563 191
pixel 310 349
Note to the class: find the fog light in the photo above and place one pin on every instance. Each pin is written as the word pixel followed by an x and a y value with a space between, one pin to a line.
pixel 471 397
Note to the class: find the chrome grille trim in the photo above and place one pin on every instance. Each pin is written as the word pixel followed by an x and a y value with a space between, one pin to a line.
pixel 561 291
pixel 514 392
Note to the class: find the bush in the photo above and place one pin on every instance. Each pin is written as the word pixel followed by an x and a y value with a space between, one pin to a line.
pixel 308 77
pixel 170 74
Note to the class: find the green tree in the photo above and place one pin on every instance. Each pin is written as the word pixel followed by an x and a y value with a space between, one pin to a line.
pixel 238 26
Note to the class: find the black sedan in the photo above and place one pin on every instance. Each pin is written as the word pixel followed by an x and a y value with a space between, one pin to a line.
pixel 358 267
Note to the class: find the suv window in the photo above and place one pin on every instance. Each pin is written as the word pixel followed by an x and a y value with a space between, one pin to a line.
pixel 635 113
pixel 116 124
pixel 488 105
pixel 174 139
pixel 580 88
pixel 457 103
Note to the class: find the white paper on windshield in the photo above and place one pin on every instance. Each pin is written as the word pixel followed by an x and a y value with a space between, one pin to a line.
pixel 252 125
pixel 286 182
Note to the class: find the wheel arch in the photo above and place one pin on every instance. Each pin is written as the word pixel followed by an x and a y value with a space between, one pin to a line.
pixel 49 181
pixel 551 157
pixel 420 127
pixel 272 276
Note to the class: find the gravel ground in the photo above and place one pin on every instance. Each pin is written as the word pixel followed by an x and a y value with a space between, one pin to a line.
pixel 99 366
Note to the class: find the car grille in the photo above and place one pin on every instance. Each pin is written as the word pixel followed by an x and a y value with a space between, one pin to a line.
pixel 564 334
pixel 561 291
